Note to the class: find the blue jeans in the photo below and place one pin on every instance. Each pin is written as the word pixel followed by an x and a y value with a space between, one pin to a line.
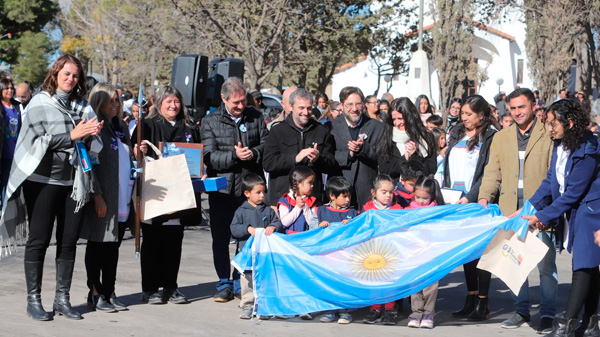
pixel 548 283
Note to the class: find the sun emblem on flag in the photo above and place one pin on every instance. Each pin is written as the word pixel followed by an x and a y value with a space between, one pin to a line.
pixel 374 260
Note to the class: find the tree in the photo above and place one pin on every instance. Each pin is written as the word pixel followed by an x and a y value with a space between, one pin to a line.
pixel 250 30
pixel 33 58
pixel 341 33
pixel 558 33
pixel 22 19
pixel 451 49
pixel 390 49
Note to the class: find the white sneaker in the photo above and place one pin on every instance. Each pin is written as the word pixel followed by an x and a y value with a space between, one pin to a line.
pixel 427 321
pixel 345 318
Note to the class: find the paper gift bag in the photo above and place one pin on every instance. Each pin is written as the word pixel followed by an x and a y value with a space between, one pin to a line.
pixel 167 187
pixel 512 259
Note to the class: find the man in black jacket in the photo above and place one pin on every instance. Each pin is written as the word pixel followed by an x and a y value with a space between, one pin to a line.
pixel 298 140
pixel 233 138
pixel 356 136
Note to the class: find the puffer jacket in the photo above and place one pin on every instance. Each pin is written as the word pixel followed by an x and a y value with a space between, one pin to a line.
pixel 219 134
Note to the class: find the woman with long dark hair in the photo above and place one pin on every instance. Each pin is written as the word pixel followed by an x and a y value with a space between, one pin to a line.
pixel 49 172
pixel 570 196
pixel 405 138
pixel 168 121
pixel 466 157
pixel 424 107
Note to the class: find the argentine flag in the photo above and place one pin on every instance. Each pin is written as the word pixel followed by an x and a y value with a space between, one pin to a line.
pixel 379 256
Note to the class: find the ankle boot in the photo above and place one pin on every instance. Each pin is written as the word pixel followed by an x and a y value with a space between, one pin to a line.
pixel 64 275
pixel 467 308
pixel 589 327
pixel 563 327
pixel 481 311
pixel 33 279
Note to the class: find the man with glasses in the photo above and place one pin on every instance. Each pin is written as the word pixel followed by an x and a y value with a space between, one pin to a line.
pixel 356 136
pixel 372 105
pixel 520 156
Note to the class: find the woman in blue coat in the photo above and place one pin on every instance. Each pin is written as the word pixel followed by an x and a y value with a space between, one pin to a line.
pixel 570 196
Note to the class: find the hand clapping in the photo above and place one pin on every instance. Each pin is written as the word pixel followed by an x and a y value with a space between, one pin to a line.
pixel 244 153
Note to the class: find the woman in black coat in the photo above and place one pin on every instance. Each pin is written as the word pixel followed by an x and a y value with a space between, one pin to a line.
pixel 466 157
pixel 405 138
pixel 163 235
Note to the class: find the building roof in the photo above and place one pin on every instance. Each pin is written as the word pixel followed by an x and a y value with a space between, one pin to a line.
pixel 477 24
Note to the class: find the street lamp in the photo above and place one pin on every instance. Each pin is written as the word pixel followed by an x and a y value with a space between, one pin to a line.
pixel 9 35
pixel 499 82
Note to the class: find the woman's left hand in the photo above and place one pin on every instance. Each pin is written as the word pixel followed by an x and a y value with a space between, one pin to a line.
pixel 100 206
pixel 143 148
pixel 534 222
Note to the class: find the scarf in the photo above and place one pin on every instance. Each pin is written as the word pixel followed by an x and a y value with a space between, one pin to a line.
pixel 46 118
pixel 451 121
pixel 401 138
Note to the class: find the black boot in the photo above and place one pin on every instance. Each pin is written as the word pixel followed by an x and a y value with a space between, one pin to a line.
pixel 64 275
pixel 589 327
pixel 467 308
pixel 563 327
pixel 33 279
pixel 481 311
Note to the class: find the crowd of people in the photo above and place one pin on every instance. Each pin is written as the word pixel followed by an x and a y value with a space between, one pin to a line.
pixel 317 163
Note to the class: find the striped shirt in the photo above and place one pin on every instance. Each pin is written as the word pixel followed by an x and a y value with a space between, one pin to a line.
pixel 522 140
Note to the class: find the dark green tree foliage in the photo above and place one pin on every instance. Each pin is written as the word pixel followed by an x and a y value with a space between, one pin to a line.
pixel 23 19
pixel 32 62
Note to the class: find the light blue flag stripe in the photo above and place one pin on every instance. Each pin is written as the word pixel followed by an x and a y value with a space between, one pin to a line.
pixel 290 279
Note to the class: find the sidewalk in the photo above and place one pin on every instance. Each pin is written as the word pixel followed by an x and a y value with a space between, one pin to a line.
pixel 204 317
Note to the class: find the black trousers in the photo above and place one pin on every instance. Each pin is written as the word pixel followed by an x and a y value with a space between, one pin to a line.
pixel 45 203
pixel 585 289
pixel 160 256
pixel 477 279
pixel 101 259
pixel 222 208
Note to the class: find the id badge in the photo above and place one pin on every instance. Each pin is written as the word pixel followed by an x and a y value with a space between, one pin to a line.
pixel 83 156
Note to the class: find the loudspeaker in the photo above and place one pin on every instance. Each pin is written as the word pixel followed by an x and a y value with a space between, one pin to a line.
pixel 189 75
pixel 218 71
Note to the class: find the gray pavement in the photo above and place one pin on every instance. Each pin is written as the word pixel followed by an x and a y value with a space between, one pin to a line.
pixel 204 317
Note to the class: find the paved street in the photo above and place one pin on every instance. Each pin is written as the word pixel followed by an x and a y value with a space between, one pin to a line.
pixel 203 317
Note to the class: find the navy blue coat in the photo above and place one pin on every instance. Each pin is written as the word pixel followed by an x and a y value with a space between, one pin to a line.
pixel 580 201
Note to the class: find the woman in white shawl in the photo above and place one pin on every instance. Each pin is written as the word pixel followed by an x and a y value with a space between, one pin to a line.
pixel 50 182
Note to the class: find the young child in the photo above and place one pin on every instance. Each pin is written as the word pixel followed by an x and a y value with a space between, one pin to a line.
pixel 338 210
pixel 297 207
pixel 440 144
pixel 406 186
pixel 251 215
pixel 422 303
pixel 383 198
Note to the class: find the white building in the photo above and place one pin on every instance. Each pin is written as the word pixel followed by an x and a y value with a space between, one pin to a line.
pixel 499 47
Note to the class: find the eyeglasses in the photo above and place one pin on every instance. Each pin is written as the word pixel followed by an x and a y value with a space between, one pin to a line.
pixel 9 88
pixel 356 105
pixel 338 110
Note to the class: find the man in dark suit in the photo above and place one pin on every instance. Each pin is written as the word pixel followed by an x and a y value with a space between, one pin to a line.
pixel 356 136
